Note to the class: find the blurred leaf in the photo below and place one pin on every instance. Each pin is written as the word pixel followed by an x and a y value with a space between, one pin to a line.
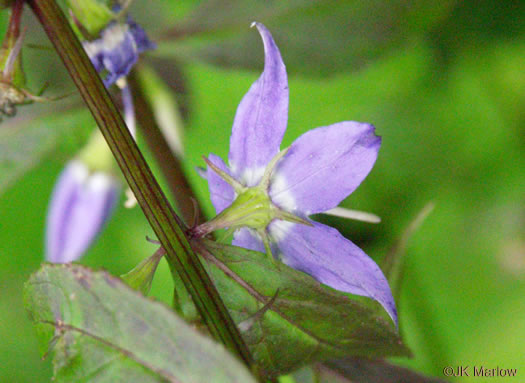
pixel 315 37
pixel 393 263
pixel 26 143
pixel 164 107
pixel 174 77
pixel 358 370
pixel 307 322
pixel 103 331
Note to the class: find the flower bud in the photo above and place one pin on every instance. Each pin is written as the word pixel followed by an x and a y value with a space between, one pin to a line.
pixel 80 205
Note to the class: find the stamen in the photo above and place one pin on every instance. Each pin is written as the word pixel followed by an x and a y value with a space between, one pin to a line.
pixel 353 214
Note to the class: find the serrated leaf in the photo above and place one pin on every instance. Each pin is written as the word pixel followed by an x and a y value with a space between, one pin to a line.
pixel 308 322
pixel 319 37
pixel 26 143
pixel 101 330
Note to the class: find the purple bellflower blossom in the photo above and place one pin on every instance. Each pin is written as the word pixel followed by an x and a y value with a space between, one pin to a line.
pixel 118 49
pixel 265 195
pixel 80 205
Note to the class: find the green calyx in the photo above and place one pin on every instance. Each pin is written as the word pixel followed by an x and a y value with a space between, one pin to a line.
pixel 252 208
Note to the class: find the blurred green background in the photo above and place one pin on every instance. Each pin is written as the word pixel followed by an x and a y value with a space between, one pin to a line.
pixel 445 88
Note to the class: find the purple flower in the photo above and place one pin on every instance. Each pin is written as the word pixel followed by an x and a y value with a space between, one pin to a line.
pixel 266 195
pixel 118 49
pixel 80 205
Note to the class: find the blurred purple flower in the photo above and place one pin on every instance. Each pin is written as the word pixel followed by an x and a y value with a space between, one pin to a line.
pixel 319 170
pixel 82 201
pixel 118 49
pixel 80 205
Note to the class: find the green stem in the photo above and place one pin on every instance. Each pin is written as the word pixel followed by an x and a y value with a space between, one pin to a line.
pixel 150 197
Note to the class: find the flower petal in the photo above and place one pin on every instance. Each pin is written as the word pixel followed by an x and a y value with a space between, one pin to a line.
pixel 118 48
pixel 248 239
pixel 221 192
pixel 119 52
pixel 64 193
pixel 80 206
pixel 139 35
pixel 261 118
pixel 323 166
pixel 330 258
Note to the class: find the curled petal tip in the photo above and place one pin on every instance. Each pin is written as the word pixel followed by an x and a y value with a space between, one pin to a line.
pixel 262 29
pixel 261 116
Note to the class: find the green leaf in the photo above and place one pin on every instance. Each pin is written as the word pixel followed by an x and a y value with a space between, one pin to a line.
pixel 101 330
pixel 26 143
pixel 315 37
pixel 306 323
pixel 359 370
